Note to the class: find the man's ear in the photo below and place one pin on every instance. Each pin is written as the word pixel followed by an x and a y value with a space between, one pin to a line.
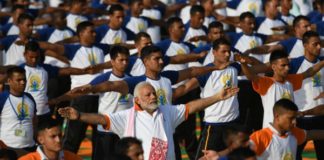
pixel 40 139
pixel 136 100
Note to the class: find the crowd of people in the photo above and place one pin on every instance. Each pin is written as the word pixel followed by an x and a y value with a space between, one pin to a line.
pixel 140 72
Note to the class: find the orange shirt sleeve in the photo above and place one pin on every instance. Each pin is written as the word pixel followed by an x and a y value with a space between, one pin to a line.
pixel 300 135
pixel 186 112
pixel 107 127
pixel 71 156
pixel 261 140
pixel 262 85
pixel 31 156
pixel 296 80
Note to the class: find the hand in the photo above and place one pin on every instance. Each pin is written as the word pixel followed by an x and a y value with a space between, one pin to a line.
pixel 319 96
pixel 53 102
pixel 194 39
pixel 69 113
pixel 92 70
pixel 227 92
pixel 203 54
pixel 82 90
pixel 209 155
pixel 242 58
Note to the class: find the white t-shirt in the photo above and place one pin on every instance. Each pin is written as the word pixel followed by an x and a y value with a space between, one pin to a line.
pixel 264 25
pixel 153 31
pixel 72 20
pixel 15 133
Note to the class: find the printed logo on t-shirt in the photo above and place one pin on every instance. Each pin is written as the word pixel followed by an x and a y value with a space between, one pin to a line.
pixel 227 80
pixel 34 83
pixel 117 40
pixel 161 96
pixel 288 156
pixel 253 44
pixel 123 98
pixel 180 51
pixel 92 58
pixel 253 8
pixel 141 27
pixel 286 95
pixel 22 110
pixel 317 80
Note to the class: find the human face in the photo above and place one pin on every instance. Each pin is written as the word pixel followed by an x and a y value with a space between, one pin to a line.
pixel 208 6
pixel 147 3
pixel 286 4
pixel 120 63
pixel 247 25
pixel 143 42
pixel 26 27
pixel 197 20
pixel 272 9
pixel 302 27
pixel 51 139
pixel 313 46
pixel 59 20
pixel 78 7
pixel 17 83
pixel 222 54
pixel 116 20
pixel 16 14
pixel 287 120
pixel 215 33
pixel 177 29
pixel 147 99
pixel 281 67
pixel 135 152
pixel 154 62
pixel 137 8
pixel 88 35
pixel 31 58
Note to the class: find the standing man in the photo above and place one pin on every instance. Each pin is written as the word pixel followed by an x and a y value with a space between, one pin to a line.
pixel 17 114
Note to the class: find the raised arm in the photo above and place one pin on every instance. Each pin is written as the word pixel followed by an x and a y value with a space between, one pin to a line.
pixel 185 88
pixel 315 135
pixel 248 72
pixel 117 86
pixel 59 49
pixel 89 118
pixel 264 49
pixel 200 104
pixel 194 72
pixel 185 58
pixel 313 70
pixel 316 111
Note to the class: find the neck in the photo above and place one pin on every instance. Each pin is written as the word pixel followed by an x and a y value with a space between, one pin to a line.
pixel 135 14
pixel 23 37
pixel 152 75
pixel 16 93
pixel 299 36
pixel 50 154
pixel 269 16
pixel 219 65
pixel 117 73
pixel 86 44
pixel 113 27
pixel 279 78
pixel 310 57
pixel 31 65
pixel 174 39
pixel 280 131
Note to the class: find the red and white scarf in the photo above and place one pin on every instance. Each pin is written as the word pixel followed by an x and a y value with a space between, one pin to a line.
pixel 159 144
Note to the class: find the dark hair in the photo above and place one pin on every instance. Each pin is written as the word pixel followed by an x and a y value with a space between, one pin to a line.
pixel 139 35
pixel 241 153
pixel 173 20
pixel 131 2
pixel 148 50
pixel 61 14
pixel 246 15
pixel 24 16
pixel 197 8
pixel 215 24
pixel 123 145
pixel 115 7
pixel 32 46
pixel 278 54
pixel 298 19
pixel 284 104
pixel 47 123
pixel 15 69
pixel 83 25
pixel 221 41
pixel 17 6
pixel 78 1
pixel 117 49
pixel 309 34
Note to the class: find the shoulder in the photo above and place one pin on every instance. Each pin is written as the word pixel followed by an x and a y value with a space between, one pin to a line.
pixel 68 155
pixel 31 156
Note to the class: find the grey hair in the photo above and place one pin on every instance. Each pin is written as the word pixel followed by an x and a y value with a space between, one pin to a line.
pixel 139 86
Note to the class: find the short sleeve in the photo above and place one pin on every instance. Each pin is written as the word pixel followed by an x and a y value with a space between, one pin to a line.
pixel 3 98
pixel 300 135
pixel 233 4
pixel 70 50
pixel 166 60
pixel 206 47
pixel 173 76
pixel 177 113
pixel 202 80
pixel 105 47
pixel 51 70
pixel 164 45
pixel 295 64
pixel 117 122
pixel 101 78
pixel 7 41
pixel 262 85
pixel 237 67
pixel 296 80
pixel 288 44
pixel 45 33
pixel 133 81
pixel 261 140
